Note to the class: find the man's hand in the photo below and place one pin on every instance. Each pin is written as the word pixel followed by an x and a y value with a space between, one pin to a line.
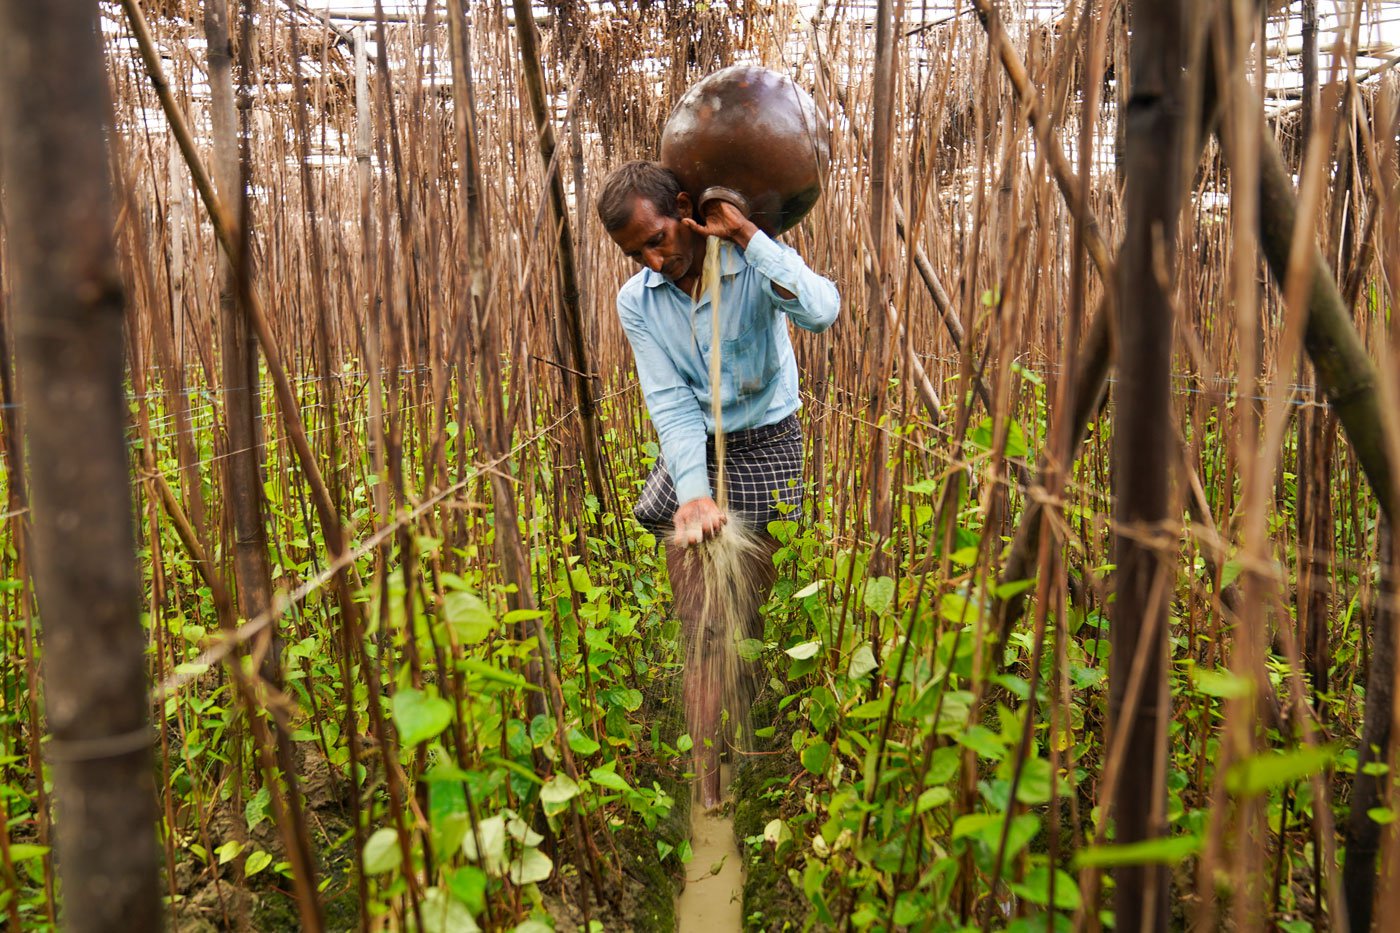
pixel 725 221
pixel 698 520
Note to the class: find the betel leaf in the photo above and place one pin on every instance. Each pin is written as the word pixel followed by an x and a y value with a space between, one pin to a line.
pixel 1012 588
pixel 443 771
pixel 783 530
pixel 1023 829
pixel 624 697
pixel 581 744
pixel 1230 572
pixel 805 650
pixel 862 662
pixel 1165 851
pixel 446 799
pixel 516 616
pixel 604 777
pixel 971 823
pixel 1221 684
pixel 981 438
pixel 419 717
pixel 965 556
pixel 448 818
pixel 1097 647
pixel 443 913
pixel 578 579
pixel 531 867
pixel 879 593
pixel 943 765
pixel 255 810
pixel 815 757
pixel 750 649
pixel 21 851
pixel 872 709
pixel 256 863
pixel 986 829
pixel 488 672
pixel 382 851
pixel 228 851
pixel 542 729
pixel 470 618
pixel 556 794
pixel 521 831
pixel 983 741
pixel 1034 788
pixel 1258 774
pixel 1036 888
pixel 488 839
pixel 931 798
pixel 958 608
pixel 468 885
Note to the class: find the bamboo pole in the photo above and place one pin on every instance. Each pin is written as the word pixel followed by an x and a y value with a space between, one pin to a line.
pixel 1344 368
pixel 493 431
pixel 924 386
pixel 369 321
pixel 243 485
pixel 568 264
pixel 325 345
pixel 274 744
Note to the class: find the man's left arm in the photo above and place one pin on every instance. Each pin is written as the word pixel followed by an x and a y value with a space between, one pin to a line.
pixel 809 300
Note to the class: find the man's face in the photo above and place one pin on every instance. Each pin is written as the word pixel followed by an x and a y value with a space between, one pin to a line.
pixel 662 244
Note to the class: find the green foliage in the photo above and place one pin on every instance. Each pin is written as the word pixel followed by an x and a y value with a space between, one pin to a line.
pixel 923 775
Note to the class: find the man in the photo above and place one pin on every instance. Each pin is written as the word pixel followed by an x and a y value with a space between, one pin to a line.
pixel 763 285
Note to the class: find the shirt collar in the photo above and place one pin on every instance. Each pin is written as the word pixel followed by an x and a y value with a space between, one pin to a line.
pixel 731 263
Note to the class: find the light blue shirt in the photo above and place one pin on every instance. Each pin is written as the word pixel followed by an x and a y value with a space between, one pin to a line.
pixel 670 337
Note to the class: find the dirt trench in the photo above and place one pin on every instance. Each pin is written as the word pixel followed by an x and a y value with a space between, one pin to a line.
pixel 713 898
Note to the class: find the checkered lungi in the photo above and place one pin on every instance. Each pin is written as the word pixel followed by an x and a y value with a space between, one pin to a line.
pixel 763 466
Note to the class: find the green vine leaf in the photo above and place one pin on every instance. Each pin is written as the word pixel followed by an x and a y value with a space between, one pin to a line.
pixel 419 717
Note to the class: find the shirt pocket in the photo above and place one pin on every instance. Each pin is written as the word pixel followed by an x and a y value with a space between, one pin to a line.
pixel 750 360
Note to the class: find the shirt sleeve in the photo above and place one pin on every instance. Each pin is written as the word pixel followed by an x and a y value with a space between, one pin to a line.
pixel 817 303
pixel 673 407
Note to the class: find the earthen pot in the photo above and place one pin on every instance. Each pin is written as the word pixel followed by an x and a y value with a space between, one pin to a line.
pixel 750 136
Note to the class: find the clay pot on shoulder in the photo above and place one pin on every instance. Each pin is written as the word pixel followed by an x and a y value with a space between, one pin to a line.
pixel 750 136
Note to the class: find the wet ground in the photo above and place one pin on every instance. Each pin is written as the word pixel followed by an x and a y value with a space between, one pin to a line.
pixel 712 901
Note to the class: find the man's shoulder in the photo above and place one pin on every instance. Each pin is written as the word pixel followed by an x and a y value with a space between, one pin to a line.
pixel 632 295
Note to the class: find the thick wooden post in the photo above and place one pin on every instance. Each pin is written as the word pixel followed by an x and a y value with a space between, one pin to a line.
pixel 879 289
pixel 1363 834
pixel 1142 450
pixel 68 311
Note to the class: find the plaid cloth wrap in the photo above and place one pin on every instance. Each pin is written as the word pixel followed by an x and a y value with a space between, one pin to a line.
pixel 763 466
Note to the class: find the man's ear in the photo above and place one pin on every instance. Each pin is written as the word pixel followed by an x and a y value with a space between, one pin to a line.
pixel 684 207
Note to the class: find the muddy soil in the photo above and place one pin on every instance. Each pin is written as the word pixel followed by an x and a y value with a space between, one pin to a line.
pixel 714 883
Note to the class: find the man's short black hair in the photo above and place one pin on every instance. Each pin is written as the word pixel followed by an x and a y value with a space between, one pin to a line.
pixel 637 179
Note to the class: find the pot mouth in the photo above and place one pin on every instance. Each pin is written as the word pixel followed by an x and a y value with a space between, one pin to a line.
pixel 729 195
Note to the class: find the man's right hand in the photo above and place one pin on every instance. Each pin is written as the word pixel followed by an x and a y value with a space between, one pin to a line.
pixel 698 520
